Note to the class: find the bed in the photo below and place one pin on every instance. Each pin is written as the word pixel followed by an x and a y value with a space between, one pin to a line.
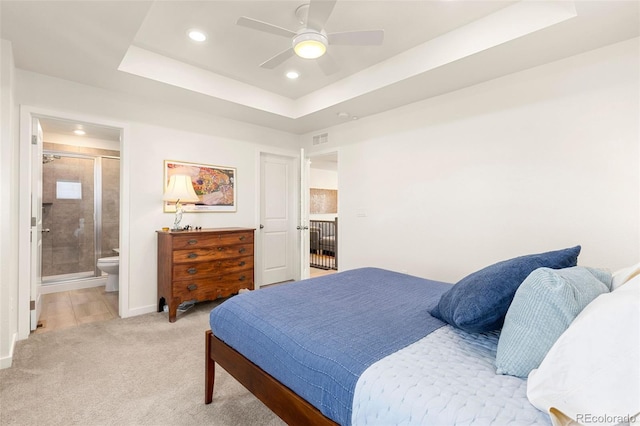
pixel 362 347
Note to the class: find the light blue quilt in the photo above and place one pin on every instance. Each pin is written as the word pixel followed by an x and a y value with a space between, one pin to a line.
pixel 317 336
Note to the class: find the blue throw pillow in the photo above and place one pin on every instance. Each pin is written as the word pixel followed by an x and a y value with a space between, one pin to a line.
pixel 479 302
pixel 544 306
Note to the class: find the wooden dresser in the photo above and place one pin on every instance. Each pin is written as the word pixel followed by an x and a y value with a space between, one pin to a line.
pixel 203 265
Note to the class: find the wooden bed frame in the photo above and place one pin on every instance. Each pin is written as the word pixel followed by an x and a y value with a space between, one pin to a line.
pixel 280 399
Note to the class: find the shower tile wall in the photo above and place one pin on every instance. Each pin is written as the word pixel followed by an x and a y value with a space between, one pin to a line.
pixel 110 206
pixel 69 246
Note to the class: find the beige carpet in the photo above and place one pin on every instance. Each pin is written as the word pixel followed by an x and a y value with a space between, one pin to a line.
pixel 134 371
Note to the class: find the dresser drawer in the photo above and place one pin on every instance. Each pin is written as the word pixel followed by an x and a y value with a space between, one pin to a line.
pixel 195 241
pixel 213 287
pixel 184 271
pixel 213 253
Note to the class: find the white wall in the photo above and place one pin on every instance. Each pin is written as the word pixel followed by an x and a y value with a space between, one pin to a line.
pixel 539 160
pixel 8 211
pixel 147 188
pixel 156 133
pixel 323 179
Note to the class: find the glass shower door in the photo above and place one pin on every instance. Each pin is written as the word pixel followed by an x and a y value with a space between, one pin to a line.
pixel 68 204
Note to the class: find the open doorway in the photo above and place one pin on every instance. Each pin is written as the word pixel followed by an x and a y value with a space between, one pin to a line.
pixel 323 214
pixel 80 199
pixel 81 223
pixel 46 147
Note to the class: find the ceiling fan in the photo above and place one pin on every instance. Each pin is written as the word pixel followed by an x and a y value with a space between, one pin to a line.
pixel 311 41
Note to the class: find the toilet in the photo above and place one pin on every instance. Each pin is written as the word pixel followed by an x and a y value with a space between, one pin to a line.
pixel 110 266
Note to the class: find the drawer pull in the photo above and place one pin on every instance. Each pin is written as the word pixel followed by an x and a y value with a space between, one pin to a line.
pixel 242 278
pixel 243 237
pixel 192 287
pixel 221 248
pixel 242 250
pixel 192 242
pixel 192 255
pixel 242 263
pixel 192 271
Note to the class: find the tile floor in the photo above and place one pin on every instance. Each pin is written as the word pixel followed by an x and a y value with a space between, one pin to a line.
pixel 71 308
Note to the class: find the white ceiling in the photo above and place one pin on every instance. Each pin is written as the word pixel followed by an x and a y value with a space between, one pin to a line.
pixel 430 47
pixel 66 128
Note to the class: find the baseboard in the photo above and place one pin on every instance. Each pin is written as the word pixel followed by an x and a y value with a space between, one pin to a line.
pixel 7 361
pixel 73 285
pixel 140 311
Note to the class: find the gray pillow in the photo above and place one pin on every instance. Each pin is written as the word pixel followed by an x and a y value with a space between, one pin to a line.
pixel 543 308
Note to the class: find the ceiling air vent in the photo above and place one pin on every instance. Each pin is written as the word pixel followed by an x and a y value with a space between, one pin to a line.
pixel 320 139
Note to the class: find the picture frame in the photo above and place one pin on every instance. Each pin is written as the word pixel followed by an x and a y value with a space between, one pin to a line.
pixel 323 201
pixel 215 186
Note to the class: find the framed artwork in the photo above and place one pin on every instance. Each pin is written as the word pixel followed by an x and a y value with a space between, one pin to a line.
pixel 214 185
pixel 323 201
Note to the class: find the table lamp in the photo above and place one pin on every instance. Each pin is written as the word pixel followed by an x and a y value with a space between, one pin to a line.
pixel 180 189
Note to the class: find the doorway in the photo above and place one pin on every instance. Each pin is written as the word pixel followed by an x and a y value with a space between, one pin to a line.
pixel 80 201
pixel 80 222
pixel 95 129
pixel 323 213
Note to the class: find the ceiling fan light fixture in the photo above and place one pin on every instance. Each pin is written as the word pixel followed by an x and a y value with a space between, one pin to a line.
pixel 310 45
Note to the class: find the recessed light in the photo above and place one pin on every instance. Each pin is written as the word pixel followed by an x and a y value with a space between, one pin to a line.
pixel 197 35
pixel 79 132
pixel 343 114
pixel 293 75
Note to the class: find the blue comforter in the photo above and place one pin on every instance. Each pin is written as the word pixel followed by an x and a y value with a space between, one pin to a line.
pixel 317 336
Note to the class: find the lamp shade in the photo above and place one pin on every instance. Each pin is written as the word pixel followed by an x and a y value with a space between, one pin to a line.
pixel 180 188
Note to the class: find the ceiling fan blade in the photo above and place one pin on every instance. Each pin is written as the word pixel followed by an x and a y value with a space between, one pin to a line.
pixel 319 12
pixel 357 38
pixel 278 59
pixel 327 64
pixel 264 27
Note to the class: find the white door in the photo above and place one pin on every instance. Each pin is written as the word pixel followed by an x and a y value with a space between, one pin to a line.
pixel 36 223
pixel 278 218
pixel 304 216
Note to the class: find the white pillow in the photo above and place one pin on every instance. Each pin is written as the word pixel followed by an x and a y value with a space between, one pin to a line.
pixel 592 373
pixel 623 275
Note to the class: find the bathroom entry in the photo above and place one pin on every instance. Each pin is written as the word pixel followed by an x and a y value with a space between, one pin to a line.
pixel 80 201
